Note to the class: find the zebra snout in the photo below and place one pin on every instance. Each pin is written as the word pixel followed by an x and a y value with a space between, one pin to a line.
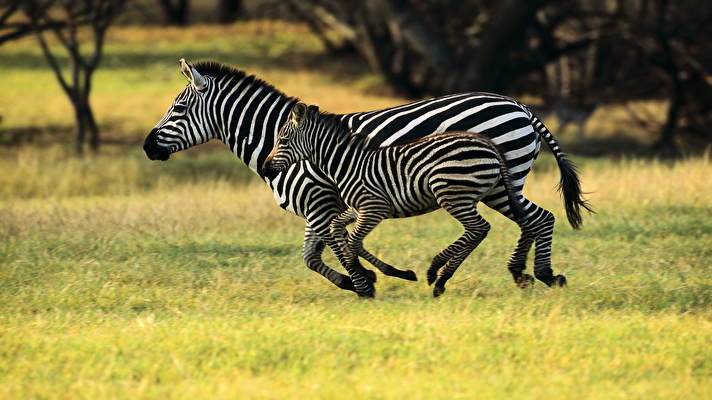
pixel 152 149
pixel 270 169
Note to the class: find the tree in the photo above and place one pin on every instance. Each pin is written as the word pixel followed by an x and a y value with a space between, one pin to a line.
pixel 175 12
pixel 65 19
pixel 435 47
pixel 13 26
pixel 612 52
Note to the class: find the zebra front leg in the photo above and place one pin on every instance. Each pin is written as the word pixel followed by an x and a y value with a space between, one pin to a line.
pixel 349 259
pixel 366 220
pixel 313 248
pixel 338 231
pixel 476 229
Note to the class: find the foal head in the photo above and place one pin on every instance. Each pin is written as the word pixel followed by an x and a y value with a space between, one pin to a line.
pixel 293 142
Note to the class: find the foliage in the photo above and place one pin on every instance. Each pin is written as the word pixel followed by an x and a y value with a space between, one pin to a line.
pixel 581 52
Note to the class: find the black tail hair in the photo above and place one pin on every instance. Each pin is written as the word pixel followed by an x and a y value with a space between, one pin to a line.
pixel 569 185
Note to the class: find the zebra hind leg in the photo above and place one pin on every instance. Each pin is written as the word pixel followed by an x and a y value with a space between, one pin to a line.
pixel 543 230
pixel 537 228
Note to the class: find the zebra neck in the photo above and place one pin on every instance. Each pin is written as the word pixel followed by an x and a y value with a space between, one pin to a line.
pixel 339 154
pixel 251 113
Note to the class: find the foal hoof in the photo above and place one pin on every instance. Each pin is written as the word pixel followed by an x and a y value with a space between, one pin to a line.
pixel 438 290
pixel 559 281
pixel 524 281
pixel 410 275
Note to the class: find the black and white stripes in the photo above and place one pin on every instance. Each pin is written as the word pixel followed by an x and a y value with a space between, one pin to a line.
pixel 245 113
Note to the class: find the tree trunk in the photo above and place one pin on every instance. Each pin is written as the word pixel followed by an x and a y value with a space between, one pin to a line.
pixel 666 146
pixel 80 127
pixel 94 137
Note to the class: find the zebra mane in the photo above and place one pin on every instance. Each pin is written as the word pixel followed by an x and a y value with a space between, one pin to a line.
pixel 219 70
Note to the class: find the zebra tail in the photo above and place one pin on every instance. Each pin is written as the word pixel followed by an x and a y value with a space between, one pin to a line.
pixel 570 184
pixel 514 204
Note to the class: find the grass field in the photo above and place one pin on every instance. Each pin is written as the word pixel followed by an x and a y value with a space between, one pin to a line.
pixel 124 278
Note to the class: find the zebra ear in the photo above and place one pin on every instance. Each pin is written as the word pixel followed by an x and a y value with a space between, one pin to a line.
pixel 192 75
pixel 298 112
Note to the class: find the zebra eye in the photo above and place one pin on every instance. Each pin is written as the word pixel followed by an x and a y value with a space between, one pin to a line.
pixel 283 140
pixel 179 108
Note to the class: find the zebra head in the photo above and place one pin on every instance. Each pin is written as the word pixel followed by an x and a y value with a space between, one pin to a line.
pixel 292 144
pixel 186 123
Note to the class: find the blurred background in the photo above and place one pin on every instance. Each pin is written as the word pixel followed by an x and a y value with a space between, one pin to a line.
pixel 609 77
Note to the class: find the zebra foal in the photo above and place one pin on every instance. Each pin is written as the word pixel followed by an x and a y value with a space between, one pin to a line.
pixel 453 170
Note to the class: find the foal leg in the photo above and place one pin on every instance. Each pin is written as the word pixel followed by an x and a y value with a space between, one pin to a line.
pixel 363 282
pixel 386 269
pixel 366 220
pixel 313 248
pixel 476 229
pixel 338 231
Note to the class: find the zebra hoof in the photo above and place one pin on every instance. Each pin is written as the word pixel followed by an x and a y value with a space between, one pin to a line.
pixel 370 275
pixel 559 281
pixel 369 294
pixel 438 290
pixel 524 281
pixel 410 275
pixel 346 283
pixel 432 276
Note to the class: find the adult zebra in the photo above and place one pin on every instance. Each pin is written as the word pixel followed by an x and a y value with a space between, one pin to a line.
pixel 221 102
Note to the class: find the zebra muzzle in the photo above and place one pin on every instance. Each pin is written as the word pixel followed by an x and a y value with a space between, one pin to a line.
pixel 269 169
pixel 153 150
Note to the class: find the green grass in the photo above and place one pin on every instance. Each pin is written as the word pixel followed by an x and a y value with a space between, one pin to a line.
pixel 196 288
pixel 125 278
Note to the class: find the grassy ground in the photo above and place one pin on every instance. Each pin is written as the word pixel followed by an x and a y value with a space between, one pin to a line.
pixel 123 278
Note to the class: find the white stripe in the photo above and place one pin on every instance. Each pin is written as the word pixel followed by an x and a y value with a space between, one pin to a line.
pixel 258 150
pixel 242 116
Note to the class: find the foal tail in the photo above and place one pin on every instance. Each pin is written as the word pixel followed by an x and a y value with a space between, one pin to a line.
pixel 514 204
pixel 569 185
